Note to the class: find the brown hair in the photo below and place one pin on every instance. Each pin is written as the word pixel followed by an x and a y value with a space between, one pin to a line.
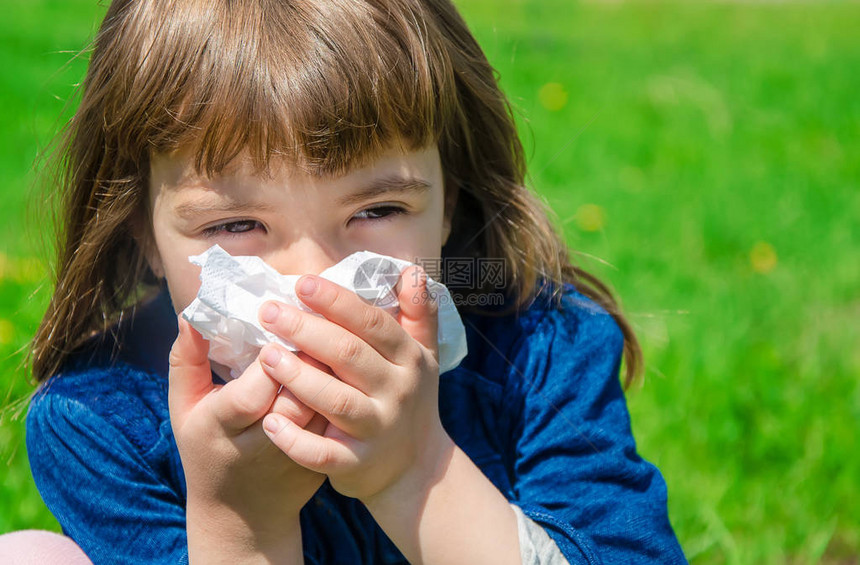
pixel 325 84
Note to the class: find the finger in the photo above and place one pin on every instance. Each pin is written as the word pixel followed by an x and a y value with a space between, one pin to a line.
pixel 243 401
pixel 318 424
pixel 351 358
pixel 344 406
pixel 419 309
pixel 310 450
pixel 313 362
pixel 347 309
pixel 286 404
pixel 190 376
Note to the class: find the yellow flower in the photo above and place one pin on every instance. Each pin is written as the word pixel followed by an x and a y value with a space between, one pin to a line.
pixel 763 257
pixel 590 217
pixel 552 96
pixel 7 331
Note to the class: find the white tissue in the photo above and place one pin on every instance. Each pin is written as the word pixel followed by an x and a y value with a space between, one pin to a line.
pixel 225 310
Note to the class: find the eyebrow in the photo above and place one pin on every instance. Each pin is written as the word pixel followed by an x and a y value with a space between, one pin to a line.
pixel 386 185
pixel 191 210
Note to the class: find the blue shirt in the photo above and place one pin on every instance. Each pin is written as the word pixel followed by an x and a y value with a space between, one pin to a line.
pixel 536 404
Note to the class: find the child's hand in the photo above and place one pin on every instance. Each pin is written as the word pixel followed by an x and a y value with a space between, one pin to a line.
pixel 382 402
pixel 238 483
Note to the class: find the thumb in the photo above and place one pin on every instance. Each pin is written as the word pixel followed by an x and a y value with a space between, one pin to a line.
pixel 419 308
pixel 190 376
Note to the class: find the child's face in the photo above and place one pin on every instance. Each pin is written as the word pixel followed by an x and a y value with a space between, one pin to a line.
pixel 297 223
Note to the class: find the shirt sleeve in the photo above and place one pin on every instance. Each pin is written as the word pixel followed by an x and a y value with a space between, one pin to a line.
pixel 536 547
pixel 577 473
pixel 99 482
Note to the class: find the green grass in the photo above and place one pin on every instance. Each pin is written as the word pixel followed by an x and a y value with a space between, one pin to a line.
pixel 708 155
pixel 37 40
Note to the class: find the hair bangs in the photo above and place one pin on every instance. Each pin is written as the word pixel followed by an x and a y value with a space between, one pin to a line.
pixel 324 85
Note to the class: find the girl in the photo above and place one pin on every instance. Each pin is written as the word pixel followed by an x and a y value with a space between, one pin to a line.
pixel 302 131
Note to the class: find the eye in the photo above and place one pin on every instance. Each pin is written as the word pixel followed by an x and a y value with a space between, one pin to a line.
pixel 380 213
pixel 233 229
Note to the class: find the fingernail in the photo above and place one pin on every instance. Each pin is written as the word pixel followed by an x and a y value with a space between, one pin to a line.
pixel 270 356
pixel 273 424
pixel 269 312
pixel 308 286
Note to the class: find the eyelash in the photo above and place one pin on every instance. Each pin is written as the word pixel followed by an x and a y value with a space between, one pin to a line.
pixel 394 211
pixel 225 228
pixel 228 228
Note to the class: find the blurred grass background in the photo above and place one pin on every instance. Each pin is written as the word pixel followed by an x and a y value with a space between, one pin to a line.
pixel 702 157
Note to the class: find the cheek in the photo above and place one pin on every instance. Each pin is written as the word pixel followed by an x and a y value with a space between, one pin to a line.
pixel 183 281
pixel 173 250
pixel 427 239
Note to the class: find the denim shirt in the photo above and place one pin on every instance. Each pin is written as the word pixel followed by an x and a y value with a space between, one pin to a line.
pixel 536 404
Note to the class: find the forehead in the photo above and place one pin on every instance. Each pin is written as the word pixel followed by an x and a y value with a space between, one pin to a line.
pixel 172 171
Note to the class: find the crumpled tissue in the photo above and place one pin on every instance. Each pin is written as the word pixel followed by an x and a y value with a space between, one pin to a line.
pixel 233 288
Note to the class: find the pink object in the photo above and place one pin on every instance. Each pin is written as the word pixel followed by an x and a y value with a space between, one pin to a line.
pixel 39 547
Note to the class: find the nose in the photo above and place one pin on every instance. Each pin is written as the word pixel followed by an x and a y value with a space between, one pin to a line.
pixel 304 256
